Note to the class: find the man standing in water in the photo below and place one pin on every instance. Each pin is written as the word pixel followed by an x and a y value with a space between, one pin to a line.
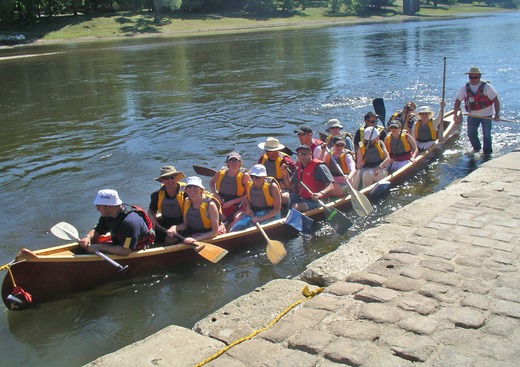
pixel 481 102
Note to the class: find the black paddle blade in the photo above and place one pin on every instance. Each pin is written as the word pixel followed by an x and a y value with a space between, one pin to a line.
pixel 338 221
pixel 379 109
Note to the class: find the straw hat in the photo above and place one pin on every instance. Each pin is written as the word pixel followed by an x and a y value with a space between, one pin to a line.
pixel 168 171
pixel 271 145
pixel 425 109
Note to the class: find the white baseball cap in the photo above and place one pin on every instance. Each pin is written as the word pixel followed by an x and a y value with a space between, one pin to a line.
pixel 107 197
pixel 371 133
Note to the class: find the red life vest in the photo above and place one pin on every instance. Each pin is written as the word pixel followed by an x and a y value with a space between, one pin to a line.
pixel 306 175
pixel 477 101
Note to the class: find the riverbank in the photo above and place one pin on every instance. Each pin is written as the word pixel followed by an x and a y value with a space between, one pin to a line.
pixel 438 284
pixel 124 25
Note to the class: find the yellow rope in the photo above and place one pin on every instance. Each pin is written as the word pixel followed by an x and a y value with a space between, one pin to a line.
pixel 8 267
pixel 305 291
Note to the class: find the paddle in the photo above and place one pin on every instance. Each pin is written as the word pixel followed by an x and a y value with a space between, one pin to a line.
pixel 440 131
pixel 204 171
pixel 275 249
pixel 210 252
pixel 490 118
pixel 67 231
pixel 360 202
pixel 337 219
pixel 379 109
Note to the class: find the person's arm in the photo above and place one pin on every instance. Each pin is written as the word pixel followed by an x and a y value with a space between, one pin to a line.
pixel 496 103
pixel 277 204
pixel 288 180
pixel 437 120
pixel 413 146
pixel 215 224
pixel 323 174
pixel 349 161
pixel 360 162
pixel 387 159
pixel 109 249
pixel 213 187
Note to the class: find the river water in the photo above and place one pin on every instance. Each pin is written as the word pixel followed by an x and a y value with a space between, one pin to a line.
pixel 77 118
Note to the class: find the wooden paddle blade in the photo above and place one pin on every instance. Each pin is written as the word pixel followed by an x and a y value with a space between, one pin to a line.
pixel 379 109
pixel 338 221
pixel 275 251
pixel 362 206
pixel 287 151
pixel 204 171
pixel 211 252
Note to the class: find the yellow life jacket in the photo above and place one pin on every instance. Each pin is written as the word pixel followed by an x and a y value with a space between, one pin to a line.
pixel 239 179
pixel 362 149
pixel 278 164
pixel 179 196
pixel 404 141
pixel 433 132
pixel 207 197
pixel 342 162
pixel 269 199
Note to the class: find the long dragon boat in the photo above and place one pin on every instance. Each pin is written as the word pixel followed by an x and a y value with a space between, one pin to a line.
pixel 53 273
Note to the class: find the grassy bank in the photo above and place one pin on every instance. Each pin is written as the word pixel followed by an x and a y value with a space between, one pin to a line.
pixel 125 24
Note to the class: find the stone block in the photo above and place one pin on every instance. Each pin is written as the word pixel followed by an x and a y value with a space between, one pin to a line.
pixel 508 294
pixel 347 351
pixel 442 278
pixel 366 278
pixel 476 300
pixel 409 346
pixel 437 265
pixel 376 294
pixel 312 341
pixel 343 288
pixel 380 313
pixel 359 330
pixel 417 303
pixel 419 325
pixel 404 284
pixel 464 317
pixel 506 308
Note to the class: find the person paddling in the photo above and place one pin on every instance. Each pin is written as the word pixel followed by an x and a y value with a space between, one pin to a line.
pixel 130 230
pixel 401 147
pixel 202 214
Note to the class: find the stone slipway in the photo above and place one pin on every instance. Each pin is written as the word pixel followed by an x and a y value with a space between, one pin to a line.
pixel 437 284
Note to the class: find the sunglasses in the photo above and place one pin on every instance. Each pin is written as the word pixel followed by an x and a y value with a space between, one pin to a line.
pixel 192 187
pixel 340 145
pixel 256 177
pixel 172 177
pixel 233 160
pixel 474 77
pixel 302 134
pixel 303 153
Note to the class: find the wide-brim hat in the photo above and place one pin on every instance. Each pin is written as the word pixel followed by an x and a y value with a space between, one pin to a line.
pixel 168 171
pixel 271 145
pixel 333 123
pixel 195 181
pixel 424 109
pixel 107 197
pixel 258 170
pixel 473 70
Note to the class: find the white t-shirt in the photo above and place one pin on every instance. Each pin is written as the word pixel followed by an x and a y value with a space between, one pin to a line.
pixel 488 91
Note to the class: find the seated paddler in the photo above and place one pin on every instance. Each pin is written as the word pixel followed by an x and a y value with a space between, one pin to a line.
pixel 263 200
pixel 166 204
pixel 130 229
pixel 202 214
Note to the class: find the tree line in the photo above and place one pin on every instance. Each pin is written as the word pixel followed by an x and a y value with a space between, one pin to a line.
pixel 28 11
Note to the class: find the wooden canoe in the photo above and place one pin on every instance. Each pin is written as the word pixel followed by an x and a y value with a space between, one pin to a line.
pixel 53 273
